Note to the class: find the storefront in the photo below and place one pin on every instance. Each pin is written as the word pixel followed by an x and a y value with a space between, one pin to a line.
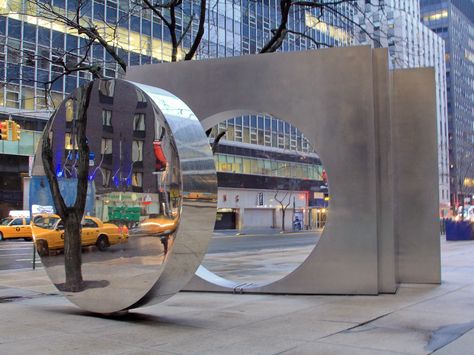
pixel 252 208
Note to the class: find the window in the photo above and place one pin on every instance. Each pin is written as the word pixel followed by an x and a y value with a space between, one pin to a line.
pixel 137 151
pixel 106 118
pixel 106 87
pixel 89 223
pixel 106 146
pixel 137 179
pixel 17 222
pixel 70 142
pixel 13 99
pixel 69 110
pixel 139 122
pixel 141 96
pixel 246 166
pixel 106 173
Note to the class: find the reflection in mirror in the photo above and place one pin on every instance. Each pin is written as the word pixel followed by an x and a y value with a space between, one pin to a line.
pixel 105 192
pixel 272 200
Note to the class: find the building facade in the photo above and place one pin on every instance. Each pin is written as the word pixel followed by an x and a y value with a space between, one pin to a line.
pixel 267 168
pixel 32 47
pixel 453 20
pixel 396 25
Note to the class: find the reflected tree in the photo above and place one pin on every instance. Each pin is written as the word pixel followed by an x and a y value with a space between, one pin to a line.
pixel 283 206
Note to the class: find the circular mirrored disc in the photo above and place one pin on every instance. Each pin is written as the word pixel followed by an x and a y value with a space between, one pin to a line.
pixel 123 196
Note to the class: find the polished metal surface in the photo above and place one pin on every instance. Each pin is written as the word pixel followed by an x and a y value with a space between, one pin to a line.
pixel 416 179
pixel 335 114
pixel 151 202
pixel 340 99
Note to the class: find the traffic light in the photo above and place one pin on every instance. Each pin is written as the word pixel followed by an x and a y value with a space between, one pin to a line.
pixel 16 131
pixel 4 128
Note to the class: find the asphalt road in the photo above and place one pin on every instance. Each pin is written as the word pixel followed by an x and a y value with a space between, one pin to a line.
pixel 222 244
pixel 18 254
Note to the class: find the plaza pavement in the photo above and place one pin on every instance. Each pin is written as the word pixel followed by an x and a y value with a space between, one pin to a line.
pixel 418 319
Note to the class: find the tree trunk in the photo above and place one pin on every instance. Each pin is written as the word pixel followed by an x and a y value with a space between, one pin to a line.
pixel 283 220
pixel 72 253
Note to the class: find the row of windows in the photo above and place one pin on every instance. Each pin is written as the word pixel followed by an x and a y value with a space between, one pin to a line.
pixel 259 19
pixel 106 147
pixel 246 165
pixel 265 131
pixel 135 179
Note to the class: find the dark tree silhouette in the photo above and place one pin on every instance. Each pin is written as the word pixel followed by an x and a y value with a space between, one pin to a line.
pixel 283 206
pixel 71 215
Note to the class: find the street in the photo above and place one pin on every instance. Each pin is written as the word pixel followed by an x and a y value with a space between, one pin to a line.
pixel 254 242
pixel 18 254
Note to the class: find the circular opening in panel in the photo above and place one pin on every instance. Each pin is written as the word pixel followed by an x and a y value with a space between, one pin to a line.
pixel 272 199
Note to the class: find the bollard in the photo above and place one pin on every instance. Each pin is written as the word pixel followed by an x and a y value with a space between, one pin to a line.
pixel 34 255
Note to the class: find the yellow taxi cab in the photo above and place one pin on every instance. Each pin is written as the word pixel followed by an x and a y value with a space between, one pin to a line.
pixel 160 225
pixel 48 232
pixel 15 227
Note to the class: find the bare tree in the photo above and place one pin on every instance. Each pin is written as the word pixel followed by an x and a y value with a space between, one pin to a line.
pixel 71 216
pixel 283 206
pixel 321 8
pixel 166 12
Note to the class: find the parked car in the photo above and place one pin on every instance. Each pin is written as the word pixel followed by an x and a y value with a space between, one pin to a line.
pixel 48 232
pixel 15 227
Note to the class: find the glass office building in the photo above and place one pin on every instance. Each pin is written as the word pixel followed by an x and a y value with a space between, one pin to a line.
pixel 32 49
pixel 453 20
pixel 412 44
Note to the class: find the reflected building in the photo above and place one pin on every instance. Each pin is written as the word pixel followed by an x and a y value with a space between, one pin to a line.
pixel 266 165
pixel 129 179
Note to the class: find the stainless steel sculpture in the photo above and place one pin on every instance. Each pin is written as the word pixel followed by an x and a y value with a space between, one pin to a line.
pixel 383 225
pixel 152 187
pixel 151 197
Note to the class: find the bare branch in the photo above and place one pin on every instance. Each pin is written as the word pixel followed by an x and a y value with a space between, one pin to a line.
pixel 47 158
pixel 200 32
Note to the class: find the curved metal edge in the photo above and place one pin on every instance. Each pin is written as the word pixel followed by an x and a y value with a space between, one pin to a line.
pixel 210 281
pixel 199 192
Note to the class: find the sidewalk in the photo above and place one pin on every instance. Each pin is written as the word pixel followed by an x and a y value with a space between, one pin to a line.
pixel 257 231
pixel 419 319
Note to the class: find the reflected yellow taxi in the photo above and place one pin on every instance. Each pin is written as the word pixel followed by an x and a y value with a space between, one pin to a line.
pixel 160 226
pixel 18 227
pixel 48 232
